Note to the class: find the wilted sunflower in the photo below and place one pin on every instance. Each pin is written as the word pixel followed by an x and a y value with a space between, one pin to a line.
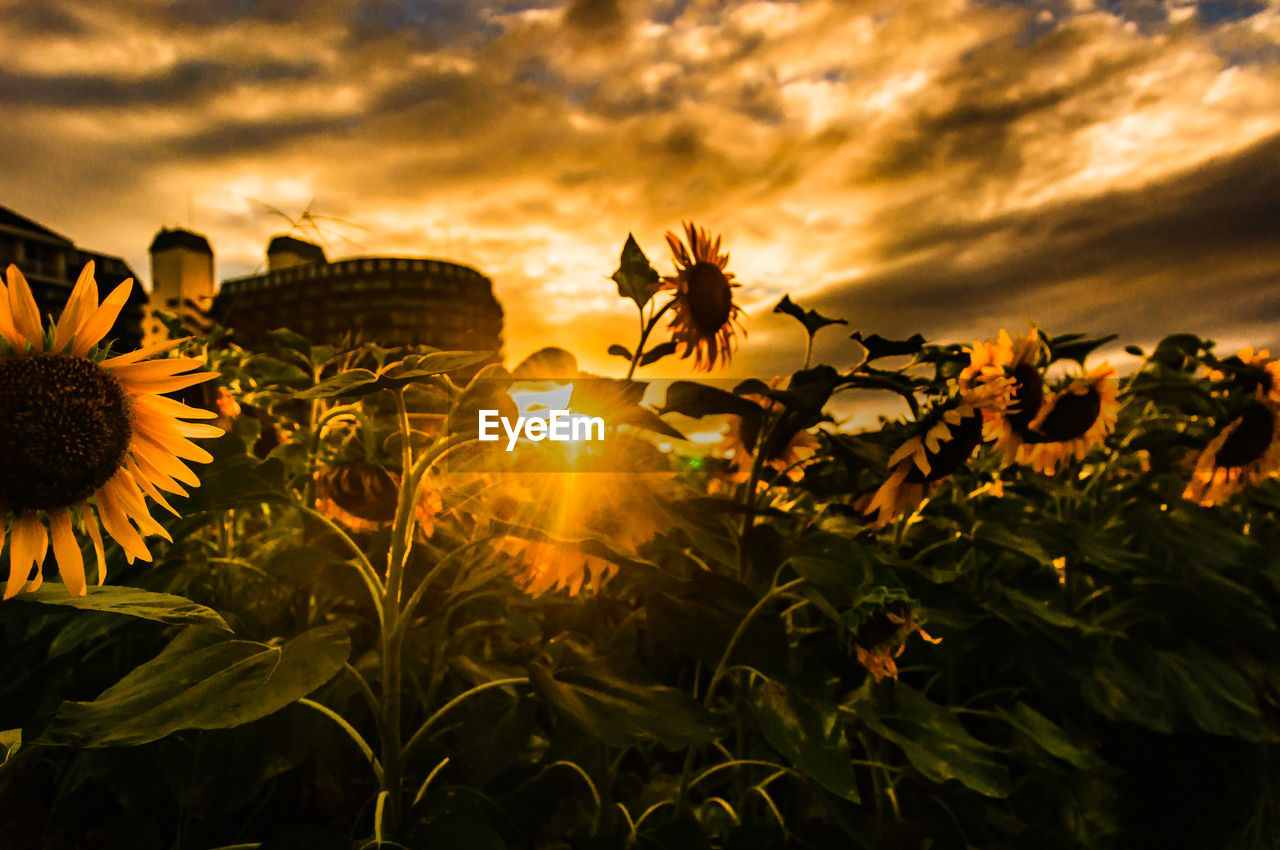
pixel 1266 384
pixel 85 437
pixel 1015 360
pixel 363 496
pixel 1243 453
pixel 705 314
pixel 881 637
pixel 1071 421
pixel 947 440
pixel 740 441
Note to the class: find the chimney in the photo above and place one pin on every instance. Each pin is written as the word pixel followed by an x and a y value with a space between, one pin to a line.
pixel 181 276
pixel 286 251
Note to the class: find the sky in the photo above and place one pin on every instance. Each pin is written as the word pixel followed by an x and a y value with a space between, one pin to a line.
pixel 946 167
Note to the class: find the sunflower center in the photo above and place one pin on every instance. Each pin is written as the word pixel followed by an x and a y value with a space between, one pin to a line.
pixel 1072 416
pixel 709 295
pixel 1028 395
pixel 952 454
pixel 64 430
pixel 1249 440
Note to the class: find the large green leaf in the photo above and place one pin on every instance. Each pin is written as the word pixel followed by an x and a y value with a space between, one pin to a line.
pixel 636 277
pixel 1213 694
pixel 810 736
pixel 621 708
pixel 1048 735
pixel 201 680
pixel 936 743
pixel 134 601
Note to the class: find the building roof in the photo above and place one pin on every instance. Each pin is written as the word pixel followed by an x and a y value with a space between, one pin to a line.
pixel 297 246
pixel 9 218
pixel 167 239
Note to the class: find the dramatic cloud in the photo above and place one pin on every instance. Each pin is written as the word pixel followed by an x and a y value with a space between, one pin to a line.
pixel 942 166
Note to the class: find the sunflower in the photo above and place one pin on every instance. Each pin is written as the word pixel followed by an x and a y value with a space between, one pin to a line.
pixel 625 509
pixel 1071 421
pixel 1010 359
pixel 86 437
pixel 363 496
pixel 881 636
pixel 1244 453
pixel 705 314
pixel 945 443
pixel 741 437
pixel 1266 382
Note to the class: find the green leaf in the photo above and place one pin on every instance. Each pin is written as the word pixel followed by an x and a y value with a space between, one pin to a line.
pixel 1076 347
pixel 10 741
pixel 877 346
pixel 659 351
pixel 201 680
pixel 291 341
pixel 1047 735
pixel 810 736
pixel 698 400
pixel 1213 693
pixel 812 320
pixel 936 743
pixel 349 384
pixel 238 484
pixel 621 708
pixel 134 601
pixel 636 277
pixel 620 351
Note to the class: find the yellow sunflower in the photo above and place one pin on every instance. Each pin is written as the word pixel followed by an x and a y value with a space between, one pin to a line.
pixel 1071 421
pixel 1011 359
pixel 1268 386
pixel 705 315
pixel 1244 453
pixel 85 437
pixel 943 446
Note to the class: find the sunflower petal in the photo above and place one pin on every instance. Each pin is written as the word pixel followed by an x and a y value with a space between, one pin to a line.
pixel 151 370
pixel 117 525
pixel 99 323
pixel 91 526
pixel 167 385
pixel 23 311
pixel 80 306
pixel 26 547
pixel 67 550
pixel 7 331
pixel 142 353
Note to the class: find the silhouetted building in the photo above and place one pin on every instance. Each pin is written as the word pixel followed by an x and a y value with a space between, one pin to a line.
pixel 181 280
pixel 51 263
pixel 388 300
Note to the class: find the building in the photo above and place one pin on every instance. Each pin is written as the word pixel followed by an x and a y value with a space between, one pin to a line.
pixel 181 280
pixel 51 263
pixel 392 301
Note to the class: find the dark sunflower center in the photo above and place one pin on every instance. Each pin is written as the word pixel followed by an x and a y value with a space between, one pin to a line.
pixel 709 296
pixel 1071 417
pixel 877 629
pixel 1028 395
pixel 64 430
pixel 1251 437
pixel 366 491
pixel 952 454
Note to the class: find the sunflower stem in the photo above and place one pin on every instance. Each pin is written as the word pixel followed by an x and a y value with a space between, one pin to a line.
pixel 644 336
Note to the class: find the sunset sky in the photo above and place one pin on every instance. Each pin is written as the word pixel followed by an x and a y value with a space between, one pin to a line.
pixel 934 166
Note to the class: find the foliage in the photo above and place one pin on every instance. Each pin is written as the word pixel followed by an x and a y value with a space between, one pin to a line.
pixel 737 657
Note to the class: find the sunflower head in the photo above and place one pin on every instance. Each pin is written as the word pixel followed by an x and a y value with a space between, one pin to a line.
pixel 1244 453
pixel 1016 361
pixel 706 316
pixel 86 437
pixel 1071 421
pixel 881 632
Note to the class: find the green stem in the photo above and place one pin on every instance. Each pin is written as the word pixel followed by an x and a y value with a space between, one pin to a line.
pixel 420 736
pixel 644 336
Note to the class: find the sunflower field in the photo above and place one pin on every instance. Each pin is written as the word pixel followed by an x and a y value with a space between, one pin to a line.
pixel 292 599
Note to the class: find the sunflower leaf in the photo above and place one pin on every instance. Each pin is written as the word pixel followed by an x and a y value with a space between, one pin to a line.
pixel 659 351
pixel 133 601
pixel 636 277
pixel 201 680
pixel 812 320
pixel 620 351
pixel 698 400
pixel 877 346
